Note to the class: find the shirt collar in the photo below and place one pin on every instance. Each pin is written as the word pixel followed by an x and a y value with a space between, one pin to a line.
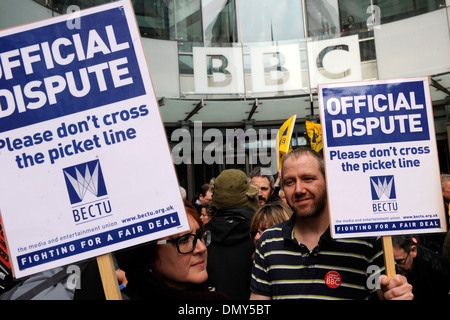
pixel 288 232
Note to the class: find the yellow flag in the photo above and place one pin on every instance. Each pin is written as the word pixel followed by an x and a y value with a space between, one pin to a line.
pixel 314 131
pixel 284 135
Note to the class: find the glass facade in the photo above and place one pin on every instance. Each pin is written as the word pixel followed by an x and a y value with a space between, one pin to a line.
pixel 270 47
pixel 231 49
pixel 230 53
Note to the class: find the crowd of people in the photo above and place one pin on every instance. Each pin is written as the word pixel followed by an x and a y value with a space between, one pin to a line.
pixel 255 237
pixel 267 238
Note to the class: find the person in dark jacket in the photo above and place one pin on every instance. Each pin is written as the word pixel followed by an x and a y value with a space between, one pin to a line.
pixel 426 271
pixel 234 203
pixel 446 248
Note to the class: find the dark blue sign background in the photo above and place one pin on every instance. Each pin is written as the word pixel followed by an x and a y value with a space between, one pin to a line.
pixel 387 226
pixel 377 137
pixel 66 103
pixel 99 240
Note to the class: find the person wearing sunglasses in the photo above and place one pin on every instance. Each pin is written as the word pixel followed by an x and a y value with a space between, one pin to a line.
pixel 173 267
pixel 425 270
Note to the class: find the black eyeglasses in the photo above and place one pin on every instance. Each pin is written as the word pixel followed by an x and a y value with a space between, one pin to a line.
pixel 403 261
pixel 187 242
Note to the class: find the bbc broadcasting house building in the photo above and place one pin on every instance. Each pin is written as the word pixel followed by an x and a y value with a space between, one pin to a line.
pixel 242 64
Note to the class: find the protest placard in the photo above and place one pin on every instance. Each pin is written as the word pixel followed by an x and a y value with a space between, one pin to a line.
pixel 314 133
pixel 85 164
pixel 381 161
pixel 5 266
pixel 283 141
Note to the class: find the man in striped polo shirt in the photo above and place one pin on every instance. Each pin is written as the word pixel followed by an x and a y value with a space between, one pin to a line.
pixel 298 259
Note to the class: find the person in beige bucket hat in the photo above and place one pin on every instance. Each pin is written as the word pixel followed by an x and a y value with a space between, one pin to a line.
pixel 233 203
pixel 232 188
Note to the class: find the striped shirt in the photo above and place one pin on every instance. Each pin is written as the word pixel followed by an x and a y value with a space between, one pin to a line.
pixel 335 269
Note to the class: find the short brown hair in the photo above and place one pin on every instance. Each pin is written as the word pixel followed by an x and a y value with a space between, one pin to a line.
pixel 272 213
pixel 303 151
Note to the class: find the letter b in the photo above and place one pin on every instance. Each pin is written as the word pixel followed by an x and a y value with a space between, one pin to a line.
pixel 221 77
pixel 76 215
pixel 218 70
pixel 278 74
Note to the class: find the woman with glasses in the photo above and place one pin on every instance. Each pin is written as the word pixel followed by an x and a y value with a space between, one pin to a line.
pixel 173 267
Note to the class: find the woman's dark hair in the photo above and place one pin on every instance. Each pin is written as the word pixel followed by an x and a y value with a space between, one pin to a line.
pixel 204 189
pixel 143 257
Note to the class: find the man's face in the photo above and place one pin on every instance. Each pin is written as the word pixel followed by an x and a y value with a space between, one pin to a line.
pixel 265 191
pixel 206 198
pixel 304 186
pixel 404 259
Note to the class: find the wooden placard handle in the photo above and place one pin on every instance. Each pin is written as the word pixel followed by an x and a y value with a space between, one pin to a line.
pixel 109 278
pixel 389 262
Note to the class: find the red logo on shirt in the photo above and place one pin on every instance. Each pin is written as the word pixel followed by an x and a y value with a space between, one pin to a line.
pixel 333 279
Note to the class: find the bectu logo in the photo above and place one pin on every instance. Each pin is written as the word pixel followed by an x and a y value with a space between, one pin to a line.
pixel 87 191
pixel 384 197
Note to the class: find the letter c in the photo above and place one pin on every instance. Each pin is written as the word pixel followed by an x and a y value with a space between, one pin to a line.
pixel 321 56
